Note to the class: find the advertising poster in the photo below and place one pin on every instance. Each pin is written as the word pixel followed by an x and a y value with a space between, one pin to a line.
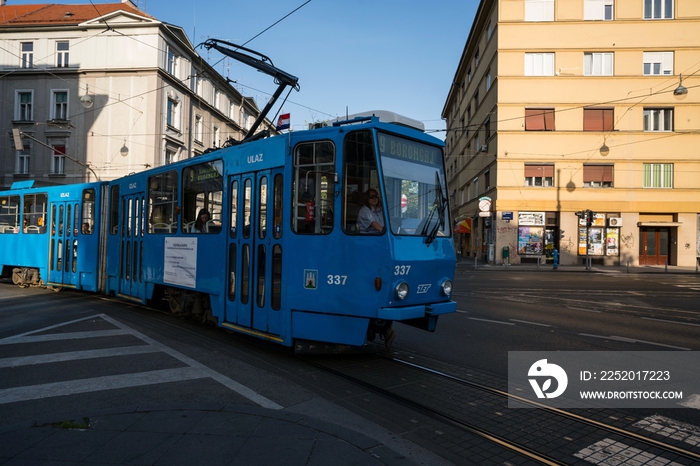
pixel 530 240
pixel 180 267
pixel 612 239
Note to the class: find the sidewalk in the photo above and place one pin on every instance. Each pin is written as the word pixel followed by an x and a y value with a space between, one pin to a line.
pixel 190 435
pixel 470 264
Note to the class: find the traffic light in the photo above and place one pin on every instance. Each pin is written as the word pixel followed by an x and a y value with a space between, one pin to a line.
pixel 589 218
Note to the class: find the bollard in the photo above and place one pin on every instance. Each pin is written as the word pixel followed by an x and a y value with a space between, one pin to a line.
pixel 628 266
pixel 666 266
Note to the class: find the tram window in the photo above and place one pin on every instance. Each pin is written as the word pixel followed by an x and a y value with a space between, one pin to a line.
pixel 261 275
pixel 277 207
pixel 234 209
pixel 202 190
pixel 114 209
pixel 314 187
pixel 276 277
pixel 9 214
pixel 35 206
pixel 247 192
pixel 360 175
pixel 262 210
pixel 162 202
pixel 87 226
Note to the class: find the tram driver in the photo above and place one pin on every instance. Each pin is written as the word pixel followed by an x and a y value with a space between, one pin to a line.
pixel 370 220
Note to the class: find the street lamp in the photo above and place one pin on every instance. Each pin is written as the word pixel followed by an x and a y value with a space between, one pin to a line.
pixel 86 100
pixel 604 149
pixel 681 91
pixel 124 151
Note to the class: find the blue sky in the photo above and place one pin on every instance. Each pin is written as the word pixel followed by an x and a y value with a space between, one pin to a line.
pixel 397 55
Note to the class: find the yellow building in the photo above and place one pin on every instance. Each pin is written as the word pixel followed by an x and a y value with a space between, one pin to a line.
pixel 559 107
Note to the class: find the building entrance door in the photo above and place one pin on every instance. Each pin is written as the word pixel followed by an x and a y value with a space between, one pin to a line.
pixel 653 246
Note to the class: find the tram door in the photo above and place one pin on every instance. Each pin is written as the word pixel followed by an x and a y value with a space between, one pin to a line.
pixel 131 249
pixel 64 221
pixel 254 253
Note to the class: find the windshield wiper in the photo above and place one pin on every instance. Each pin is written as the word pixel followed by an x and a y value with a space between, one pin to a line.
pixel 439 206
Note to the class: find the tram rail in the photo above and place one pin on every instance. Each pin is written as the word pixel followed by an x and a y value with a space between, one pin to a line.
pixel 364 372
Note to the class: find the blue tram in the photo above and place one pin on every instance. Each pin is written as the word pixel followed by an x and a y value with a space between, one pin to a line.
pixel 321 236
pixel 50 236
pixel 264 238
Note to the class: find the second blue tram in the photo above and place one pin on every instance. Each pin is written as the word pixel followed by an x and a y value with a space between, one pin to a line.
pixel 50 236
pixel 278 252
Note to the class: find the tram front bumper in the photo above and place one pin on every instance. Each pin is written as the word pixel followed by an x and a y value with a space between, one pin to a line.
pixel 416 312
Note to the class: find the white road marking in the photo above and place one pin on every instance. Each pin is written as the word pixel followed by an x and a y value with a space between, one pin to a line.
pixel 76 355
pixel 671 321
pixel 632 340
pixel 693 401
pixel 492 321
pixel 612 453
pixel 671 428
pixel 195 370
pixel 531 323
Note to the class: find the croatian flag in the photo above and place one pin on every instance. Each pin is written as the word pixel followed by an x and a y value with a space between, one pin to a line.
pixel 283 122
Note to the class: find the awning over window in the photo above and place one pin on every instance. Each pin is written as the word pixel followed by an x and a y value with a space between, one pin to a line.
pixel 465 226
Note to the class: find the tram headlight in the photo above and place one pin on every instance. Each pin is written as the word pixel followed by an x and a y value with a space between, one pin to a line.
pixel 401 290
pixel 446 287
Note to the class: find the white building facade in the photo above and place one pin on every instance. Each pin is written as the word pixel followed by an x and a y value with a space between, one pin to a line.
pixel 100 91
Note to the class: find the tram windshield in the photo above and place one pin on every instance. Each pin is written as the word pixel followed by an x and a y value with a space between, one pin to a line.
pixel 414 186
pixel 414 182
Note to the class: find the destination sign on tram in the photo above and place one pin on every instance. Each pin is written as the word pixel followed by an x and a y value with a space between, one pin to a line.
pixel 400 148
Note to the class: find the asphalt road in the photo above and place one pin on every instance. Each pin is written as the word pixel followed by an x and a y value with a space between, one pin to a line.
pixel 499 312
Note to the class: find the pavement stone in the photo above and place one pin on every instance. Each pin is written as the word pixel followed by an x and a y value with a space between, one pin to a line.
pixel 193 434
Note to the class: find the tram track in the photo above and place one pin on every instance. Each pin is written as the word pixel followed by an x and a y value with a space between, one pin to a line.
pixel 455 403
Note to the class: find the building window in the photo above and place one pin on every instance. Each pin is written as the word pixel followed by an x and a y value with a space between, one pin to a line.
pixel 476 57
pixel 62 53
pixel 476 98
pixel 488 80
pixel 658 63
pixel 658 119
pixel 469 74
pixel 658 9
pixel 658 175
pixel 487 180
pixel 598 119
pixel 539 10
pixel 469 111
pixel 172 62
pixel 597 176
pixel 487 129
pixel 58 160
pixel 489 31
pixel 198 128
pixel 59 105
pixel 27 54
pixel 601 10
pixel 539 175
pixel 475 184
pixel 24 107
pixel 169 156
pixel 598 64
pixel 22 165
pixel 173 115
pixel 539 64
pixel 539 119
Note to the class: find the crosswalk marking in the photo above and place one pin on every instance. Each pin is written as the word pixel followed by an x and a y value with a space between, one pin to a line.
pixel 192 369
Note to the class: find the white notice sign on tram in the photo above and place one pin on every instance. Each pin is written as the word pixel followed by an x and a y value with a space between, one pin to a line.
pixel 180 263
